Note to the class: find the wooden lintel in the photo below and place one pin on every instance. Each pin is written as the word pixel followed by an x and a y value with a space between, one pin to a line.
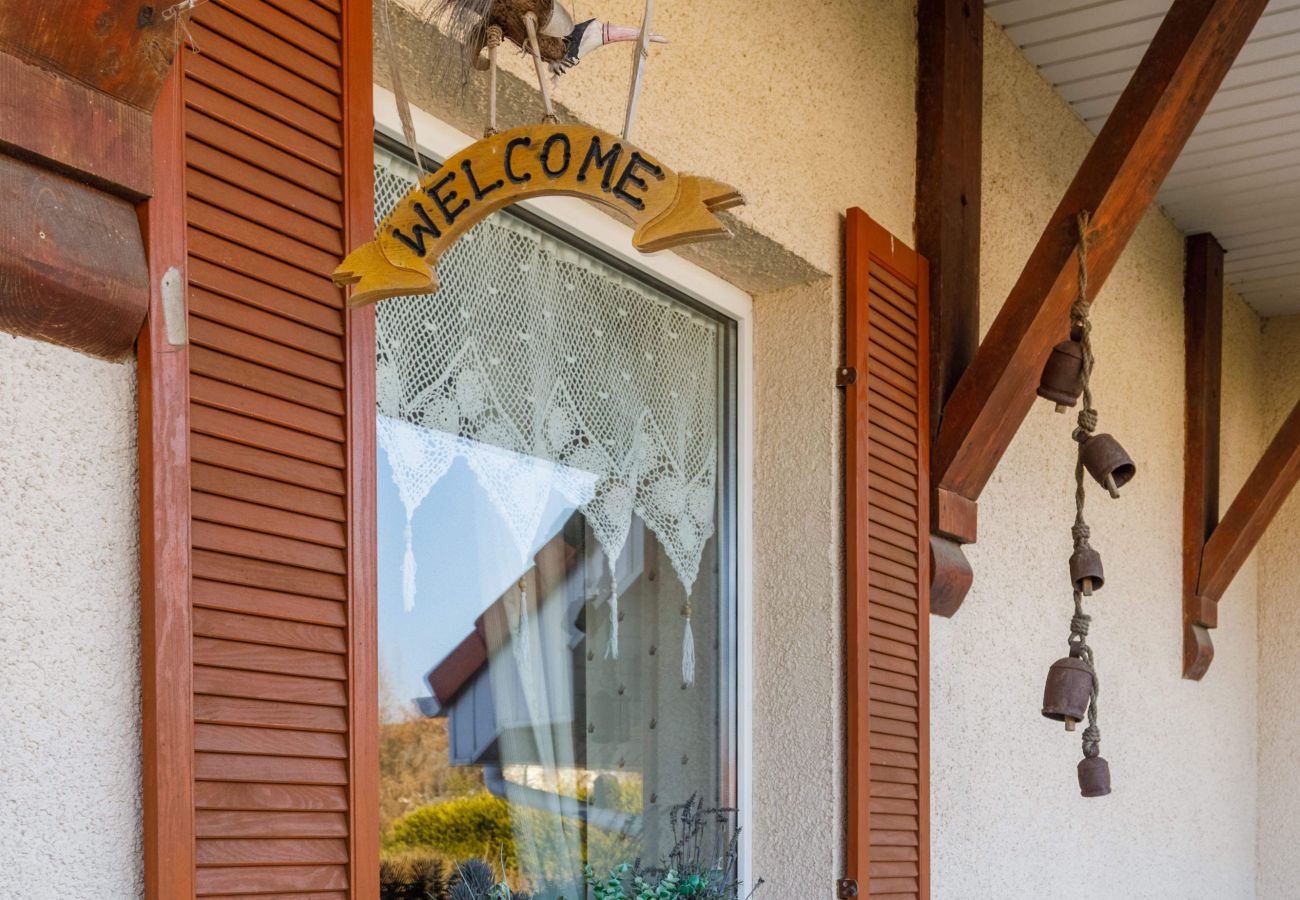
pixel 1164 100
pixel 72 262
pixel 1251 511
pixel 1203 329
pixel 63 125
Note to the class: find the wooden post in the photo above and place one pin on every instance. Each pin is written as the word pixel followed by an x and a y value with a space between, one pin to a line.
pixel 950 98
pixel 1203 307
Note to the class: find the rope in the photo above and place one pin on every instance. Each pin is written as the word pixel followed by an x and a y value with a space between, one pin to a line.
pixel 1080 531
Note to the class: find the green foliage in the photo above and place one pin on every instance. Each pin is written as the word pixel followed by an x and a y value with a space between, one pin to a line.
pixel 472 827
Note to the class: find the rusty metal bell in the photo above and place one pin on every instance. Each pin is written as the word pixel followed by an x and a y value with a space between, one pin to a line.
pixel 1068 690
pixel 1107 462
pixel 1086 571
pixel 1062 378
pixel 1094 777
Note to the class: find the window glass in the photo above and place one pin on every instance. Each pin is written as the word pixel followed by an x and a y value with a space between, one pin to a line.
pixel 556 562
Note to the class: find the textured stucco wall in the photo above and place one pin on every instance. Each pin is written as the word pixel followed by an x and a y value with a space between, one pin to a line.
pixel 1279 649
pixel 1008 819
pixel 69 626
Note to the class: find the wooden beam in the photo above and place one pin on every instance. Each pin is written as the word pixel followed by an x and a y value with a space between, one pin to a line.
pixel 122 48
pixel 1169 91
pixel 63 125
pixel 1203 309
pixel 950 99
pixel 72 263
pixel 1254 507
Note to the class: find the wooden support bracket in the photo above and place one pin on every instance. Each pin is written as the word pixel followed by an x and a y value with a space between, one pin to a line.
pixel 950 88
pixel 1203 328
pixel 1117 182
pixel 1214 550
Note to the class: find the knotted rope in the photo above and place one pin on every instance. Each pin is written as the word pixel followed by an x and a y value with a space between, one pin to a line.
pixel 1080 531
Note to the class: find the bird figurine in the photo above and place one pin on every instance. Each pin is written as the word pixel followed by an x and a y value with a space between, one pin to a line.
pixel 543 28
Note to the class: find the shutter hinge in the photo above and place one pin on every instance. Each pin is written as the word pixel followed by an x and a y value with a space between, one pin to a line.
pixel 846 889
pixel 845 376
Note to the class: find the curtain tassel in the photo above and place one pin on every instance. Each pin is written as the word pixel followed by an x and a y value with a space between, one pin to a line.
pixel 408 571
pixel 688 650
pixel 522 638
pixel 611 651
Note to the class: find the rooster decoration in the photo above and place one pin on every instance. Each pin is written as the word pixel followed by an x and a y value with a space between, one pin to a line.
pixel 545 29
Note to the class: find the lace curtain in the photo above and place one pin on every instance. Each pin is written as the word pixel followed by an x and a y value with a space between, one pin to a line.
pixel 546 369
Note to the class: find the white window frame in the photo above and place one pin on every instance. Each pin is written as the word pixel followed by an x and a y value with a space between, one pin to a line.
pixel 438 140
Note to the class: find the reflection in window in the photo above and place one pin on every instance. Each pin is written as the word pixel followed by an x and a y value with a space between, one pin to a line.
pixel 556 594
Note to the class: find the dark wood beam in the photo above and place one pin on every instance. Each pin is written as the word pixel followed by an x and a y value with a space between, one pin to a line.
pixel 72 262
pixel 63 125
pixel 1252 510
pixel 1168 94
pixel 950 101
pixel 1203 328
pixel 122 48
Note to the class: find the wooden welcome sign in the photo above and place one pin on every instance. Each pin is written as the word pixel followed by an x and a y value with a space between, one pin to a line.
pixel 667 208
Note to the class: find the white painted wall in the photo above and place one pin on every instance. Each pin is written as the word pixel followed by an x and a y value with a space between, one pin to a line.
pixel 69 627
pixel 1279 642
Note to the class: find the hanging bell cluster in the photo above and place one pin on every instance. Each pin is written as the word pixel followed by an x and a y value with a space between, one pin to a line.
pixel 1072 689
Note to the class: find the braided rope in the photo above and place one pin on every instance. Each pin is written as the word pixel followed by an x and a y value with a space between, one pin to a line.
pixel 1080 531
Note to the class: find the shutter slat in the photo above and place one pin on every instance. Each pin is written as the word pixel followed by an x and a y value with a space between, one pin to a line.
pixel 234 599
pixel 267 325
pixel 266 72
pixel 261 879
pixel 249 657
pixel 263 464
pixel 217 795
pixel 263 178
pixel 243 711
pixel 267 298
pixel 268 354
pixel 263 435
pixel 241 824
pixel 287 851
pixel 274 632
pixel 235 399
pixel 269 742
pixel 271 576
pixel 271 45
pixel 264 686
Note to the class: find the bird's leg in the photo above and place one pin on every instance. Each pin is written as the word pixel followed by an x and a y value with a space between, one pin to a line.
pixel 530 22
pixel 494 37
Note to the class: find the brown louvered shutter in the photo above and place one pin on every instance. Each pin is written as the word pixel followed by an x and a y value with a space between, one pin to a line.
pixel 887 549
pixel 277 412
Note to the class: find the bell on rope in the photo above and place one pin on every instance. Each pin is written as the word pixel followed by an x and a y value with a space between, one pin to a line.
pixel 1062 378
pixel 1068 690
pixel 1094 777
pixel 1107 462
pixel 1086 571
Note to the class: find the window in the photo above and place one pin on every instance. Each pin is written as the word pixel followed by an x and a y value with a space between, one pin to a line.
pixel 558 560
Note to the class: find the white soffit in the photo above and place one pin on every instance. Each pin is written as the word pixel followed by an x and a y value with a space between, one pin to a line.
pixel 1239 175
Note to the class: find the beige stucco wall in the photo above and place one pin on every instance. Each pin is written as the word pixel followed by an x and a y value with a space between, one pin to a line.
pixel 69 626
pixel 1008 819
pixel 1279 650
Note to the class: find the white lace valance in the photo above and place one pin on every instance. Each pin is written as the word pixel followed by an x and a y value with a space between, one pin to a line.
pixel 546 369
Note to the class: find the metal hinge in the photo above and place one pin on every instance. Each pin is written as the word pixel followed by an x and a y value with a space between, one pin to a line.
pixel 845 376
pixel 846 888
